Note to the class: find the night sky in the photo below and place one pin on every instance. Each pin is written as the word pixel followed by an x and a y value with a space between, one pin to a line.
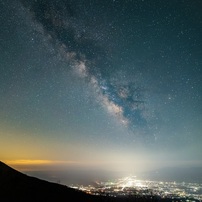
pixel 112 85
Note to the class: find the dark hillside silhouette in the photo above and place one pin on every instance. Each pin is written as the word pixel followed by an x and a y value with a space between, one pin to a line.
pixel 16 186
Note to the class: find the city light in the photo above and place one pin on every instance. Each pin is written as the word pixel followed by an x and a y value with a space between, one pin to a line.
pixel 131 186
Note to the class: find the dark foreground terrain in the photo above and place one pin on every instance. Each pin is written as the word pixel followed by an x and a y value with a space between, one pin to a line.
pixel 18 187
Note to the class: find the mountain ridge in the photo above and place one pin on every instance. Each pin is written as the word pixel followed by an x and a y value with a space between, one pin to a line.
pixel 16 186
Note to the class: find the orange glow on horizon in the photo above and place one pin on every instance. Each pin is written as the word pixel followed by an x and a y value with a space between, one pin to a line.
pixel 31 165
pixel 28 162
pixel 36 162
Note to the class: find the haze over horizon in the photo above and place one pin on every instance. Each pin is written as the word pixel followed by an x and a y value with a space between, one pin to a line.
pixel 101 87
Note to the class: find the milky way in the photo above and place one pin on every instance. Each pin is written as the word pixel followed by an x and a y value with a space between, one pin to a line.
pixel 126 99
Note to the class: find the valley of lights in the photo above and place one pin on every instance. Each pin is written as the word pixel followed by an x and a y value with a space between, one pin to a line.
pixel 130 186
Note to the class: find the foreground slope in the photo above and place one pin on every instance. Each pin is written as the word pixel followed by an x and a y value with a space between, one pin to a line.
pixel 16 186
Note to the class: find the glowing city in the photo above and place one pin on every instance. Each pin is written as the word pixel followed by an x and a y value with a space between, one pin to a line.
pixel 131 186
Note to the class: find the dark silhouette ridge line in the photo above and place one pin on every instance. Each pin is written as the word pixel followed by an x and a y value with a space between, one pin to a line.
pixel 15 185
